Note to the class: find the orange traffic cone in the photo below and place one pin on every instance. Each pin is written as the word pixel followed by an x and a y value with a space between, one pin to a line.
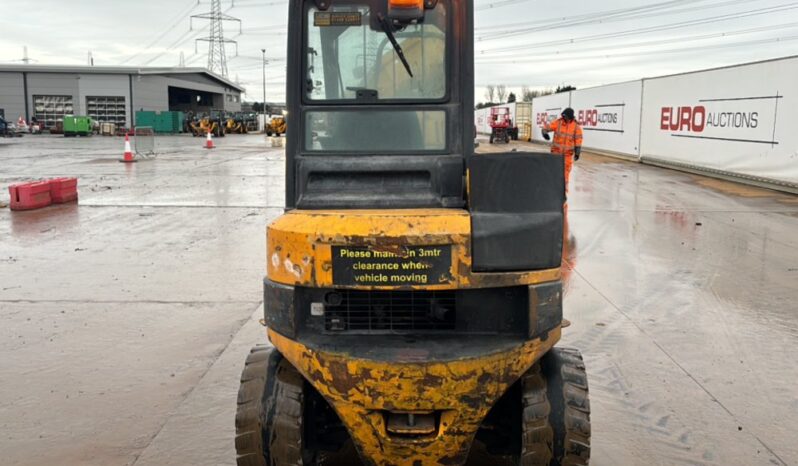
pixel 128 157
pixel 209 142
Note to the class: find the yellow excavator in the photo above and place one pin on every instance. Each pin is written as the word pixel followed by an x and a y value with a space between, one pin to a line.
pixel 413 294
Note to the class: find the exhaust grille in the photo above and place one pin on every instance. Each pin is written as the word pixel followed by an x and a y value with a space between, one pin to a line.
pixel 391 311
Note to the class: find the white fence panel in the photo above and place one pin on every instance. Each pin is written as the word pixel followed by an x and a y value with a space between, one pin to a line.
pixel 546 109
pixel 739 120
pixel 481 120
pixel 610 117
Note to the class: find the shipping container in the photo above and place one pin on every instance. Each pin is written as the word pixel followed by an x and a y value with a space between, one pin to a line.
pixel 145 118
pixel 161 122
pixel 524 121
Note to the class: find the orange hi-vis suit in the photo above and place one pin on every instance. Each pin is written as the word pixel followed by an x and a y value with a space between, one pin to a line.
pixel 567 137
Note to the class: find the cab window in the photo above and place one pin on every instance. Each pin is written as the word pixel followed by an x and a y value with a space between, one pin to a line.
pixel 349 52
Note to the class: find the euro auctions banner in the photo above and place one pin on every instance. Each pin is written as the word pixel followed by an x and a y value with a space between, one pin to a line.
pixel 610 117
pixel 740 120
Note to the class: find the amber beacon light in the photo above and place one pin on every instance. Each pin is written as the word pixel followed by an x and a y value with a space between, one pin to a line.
pixel 406 10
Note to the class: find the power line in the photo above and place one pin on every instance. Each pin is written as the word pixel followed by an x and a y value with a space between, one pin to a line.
pixel 238 3
pixel 605 14
pixel 651 43
pixel 659 28
pixel 498 4
pixel 185 37
pixel 180 41
pixel 608 17
pixel 252 57
pixel 602 16
pixel 172 24
pixel 217 57
pixel 649 53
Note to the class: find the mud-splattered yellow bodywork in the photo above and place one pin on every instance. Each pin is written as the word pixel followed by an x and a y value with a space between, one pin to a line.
pixel 299 245
pixel 462 388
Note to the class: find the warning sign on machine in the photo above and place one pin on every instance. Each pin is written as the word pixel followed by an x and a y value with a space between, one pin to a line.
pixel 414 265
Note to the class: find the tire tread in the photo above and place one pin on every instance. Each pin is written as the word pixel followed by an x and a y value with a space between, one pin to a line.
pixel 254 406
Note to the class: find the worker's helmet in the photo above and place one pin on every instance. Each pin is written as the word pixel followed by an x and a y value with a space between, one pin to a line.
pixel 568 113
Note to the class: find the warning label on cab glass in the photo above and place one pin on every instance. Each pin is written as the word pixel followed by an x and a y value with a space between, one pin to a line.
pixel 337 18
pixel 414 265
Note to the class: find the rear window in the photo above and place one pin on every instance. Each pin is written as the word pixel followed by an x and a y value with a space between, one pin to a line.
pixel 404 131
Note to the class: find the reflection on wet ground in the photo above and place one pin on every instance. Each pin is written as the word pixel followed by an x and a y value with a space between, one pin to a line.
pixel 124 321
pixel 684 304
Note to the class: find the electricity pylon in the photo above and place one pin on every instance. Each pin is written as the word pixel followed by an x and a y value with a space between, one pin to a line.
pixel 217 59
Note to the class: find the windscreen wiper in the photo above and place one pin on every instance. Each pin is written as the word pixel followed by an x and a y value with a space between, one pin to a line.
pixel 386 26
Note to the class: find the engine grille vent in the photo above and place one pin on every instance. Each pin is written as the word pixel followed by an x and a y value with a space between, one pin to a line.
pixel 392 311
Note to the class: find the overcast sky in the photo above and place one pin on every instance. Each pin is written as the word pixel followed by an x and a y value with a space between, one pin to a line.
pixel 540 44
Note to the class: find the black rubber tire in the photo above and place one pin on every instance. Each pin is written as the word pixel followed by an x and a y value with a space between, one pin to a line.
pixel 556 411
pixel 286 444
pixel 256 407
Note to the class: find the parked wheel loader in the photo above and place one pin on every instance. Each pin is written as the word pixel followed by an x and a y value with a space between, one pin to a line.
pixel 207 124
pixel 413 293
pixel 276 126
pixel 235 125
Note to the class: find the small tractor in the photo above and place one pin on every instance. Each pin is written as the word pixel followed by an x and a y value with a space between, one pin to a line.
pixel 501 125
pixel 413 290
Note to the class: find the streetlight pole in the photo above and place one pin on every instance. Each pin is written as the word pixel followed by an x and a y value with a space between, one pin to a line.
pixel 264 88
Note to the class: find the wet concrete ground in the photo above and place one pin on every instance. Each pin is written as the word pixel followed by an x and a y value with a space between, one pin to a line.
pixel 124 321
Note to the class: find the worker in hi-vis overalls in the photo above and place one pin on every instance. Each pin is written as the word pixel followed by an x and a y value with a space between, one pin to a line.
pixel 567 139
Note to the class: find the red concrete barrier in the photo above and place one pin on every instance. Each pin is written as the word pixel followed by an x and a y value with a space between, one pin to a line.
pixel 29 196
pixel 63 190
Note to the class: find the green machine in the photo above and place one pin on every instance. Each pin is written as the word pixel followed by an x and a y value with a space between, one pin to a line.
pixel 77 126
pixel 161 122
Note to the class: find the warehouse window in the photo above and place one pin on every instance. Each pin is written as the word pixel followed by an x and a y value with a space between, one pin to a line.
pixel 50 109
pixel 106 109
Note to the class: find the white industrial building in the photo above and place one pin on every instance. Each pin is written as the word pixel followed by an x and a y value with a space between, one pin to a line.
pixel 110 94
